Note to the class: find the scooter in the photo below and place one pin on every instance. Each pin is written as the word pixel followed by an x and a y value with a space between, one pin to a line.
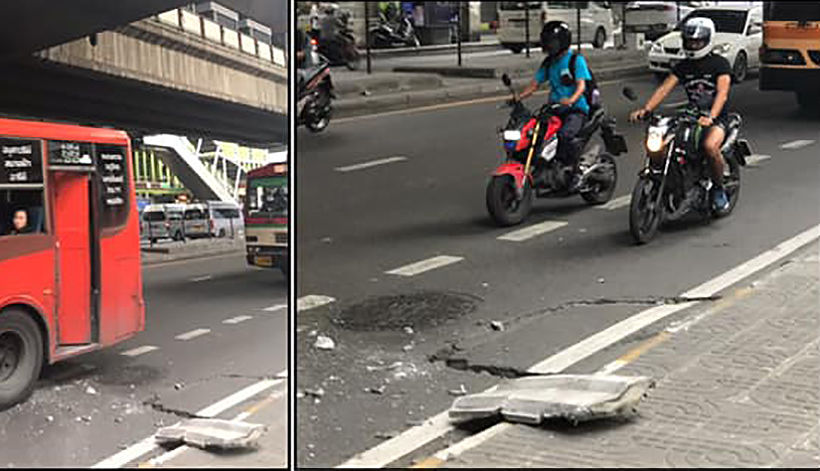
pixel 530 168
pixel 386 34
pixel 314 106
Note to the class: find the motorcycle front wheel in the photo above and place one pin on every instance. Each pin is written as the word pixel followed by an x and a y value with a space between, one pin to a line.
pixel 502 203
pixel 731 183
pixel 353 59
pixel 645 210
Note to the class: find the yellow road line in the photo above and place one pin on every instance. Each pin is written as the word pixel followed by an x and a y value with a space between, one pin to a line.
pixel 431 462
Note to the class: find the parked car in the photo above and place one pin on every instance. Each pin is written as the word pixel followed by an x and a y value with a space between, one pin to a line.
pixel 162 221
pixel 738 36
pixel 214 219
pixel 597 24
pixel 654 18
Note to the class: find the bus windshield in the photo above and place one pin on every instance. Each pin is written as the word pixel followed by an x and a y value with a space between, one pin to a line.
pixel 726 21
pixel 792 11
pixel 268 197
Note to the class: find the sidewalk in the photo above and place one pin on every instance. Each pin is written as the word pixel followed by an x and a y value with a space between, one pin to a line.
pixel 271 450
pixel 408 82
pixel 169 251
pixel 738 385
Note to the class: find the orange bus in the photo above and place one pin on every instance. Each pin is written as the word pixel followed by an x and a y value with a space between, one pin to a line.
pixel 790 54
pixel 266 217
pixel 70 274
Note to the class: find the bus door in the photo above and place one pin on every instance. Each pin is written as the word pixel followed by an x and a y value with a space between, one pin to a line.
pixel 77 243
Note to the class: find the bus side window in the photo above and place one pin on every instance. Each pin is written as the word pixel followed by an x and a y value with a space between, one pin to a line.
pixel 21 212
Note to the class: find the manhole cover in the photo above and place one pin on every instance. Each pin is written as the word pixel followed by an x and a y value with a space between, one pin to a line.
pixel 417 310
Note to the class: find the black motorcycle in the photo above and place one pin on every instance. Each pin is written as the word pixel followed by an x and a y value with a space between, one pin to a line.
pixel 400 33
pixel 684 184
pixel 340 47
pixel 315 87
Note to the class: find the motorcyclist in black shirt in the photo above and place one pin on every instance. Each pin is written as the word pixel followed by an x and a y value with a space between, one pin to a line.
pixel 706 77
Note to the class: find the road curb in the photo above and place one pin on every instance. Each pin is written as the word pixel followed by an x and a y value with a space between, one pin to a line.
pixel 433 50
pixel 189 256
pixel 361 106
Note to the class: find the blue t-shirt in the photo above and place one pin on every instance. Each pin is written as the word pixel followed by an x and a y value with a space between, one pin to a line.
pixel 558 90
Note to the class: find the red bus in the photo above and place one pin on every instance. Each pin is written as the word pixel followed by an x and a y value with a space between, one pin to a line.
pixel 266 217
pixel 70 273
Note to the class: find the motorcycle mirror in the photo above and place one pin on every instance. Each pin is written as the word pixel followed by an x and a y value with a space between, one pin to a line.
pixel 506 79
pixel 630 93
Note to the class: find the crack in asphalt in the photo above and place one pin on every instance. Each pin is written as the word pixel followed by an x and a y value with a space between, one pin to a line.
pixel 154 403
pixel 447 354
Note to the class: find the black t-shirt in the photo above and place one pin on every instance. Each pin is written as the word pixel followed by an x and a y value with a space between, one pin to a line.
pixel 699 78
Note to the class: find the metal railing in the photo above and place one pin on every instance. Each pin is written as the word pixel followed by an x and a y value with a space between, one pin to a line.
pixel 212 31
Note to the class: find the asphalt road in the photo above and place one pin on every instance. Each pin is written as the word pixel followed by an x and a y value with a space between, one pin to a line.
pixel 428 200
pixel 91 407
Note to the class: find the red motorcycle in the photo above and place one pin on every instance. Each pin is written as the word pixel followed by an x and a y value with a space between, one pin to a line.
pixel 530 168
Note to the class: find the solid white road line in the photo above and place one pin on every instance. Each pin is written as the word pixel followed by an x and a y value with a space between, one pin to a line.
pixel 192 334
pixel 531 231
pixel 139 350
pixel 797 144
pixel 276 307
pixel 757 158
pixel 425 265
pixel 416 437
pixel 202 278
pixel 148 445
pixel 312 301
pixel 237 319
pixel 618 202
pixel 372 163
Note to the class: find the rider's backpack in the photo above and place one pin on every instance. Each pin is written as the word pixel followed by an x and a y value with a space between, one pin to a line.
pixel 591 92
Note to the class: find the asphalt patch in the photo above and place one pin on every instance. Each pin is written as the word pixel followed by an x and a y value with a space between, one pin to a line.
pixel 417 310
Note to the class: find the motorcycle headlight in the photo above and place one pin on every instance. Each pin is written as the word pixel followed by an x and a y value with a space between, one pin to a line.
pixel 512 135
pixel 723 48
pixel 654 140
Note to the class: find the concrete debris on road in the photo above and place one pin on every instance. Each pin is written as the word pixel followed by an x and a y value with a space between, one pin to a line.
pixel 408 330
pixel 219 433
pixel 315 392
pixel 577 398
pixel 497 325
pixel 461 391
pixel 407 347
pixel 90 390
pixel 379 390
pixel 324 343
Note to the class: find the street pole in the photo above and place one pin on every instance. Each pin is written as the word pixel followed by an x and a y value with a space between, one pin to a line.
pixel 578 22
pixel 458 33
pixel 677 7
pixel 367 34
pixel 527 27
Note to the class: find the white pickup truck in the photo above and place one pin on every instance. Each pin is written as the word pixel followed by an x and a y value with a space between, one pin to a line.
pixel 654 18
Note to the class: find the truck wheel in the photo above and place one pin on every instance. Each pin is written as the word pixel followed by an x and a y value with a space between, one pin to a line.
pixel 21 356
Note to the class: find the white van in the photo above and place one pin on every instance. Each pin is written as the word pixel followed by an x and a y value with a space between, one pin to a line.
pixel 214 219
pixel 162 221
pixel 597 24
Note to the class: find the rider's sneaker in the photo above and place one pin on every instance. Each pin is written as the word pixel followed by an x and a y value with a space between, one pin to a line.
pixel 721 200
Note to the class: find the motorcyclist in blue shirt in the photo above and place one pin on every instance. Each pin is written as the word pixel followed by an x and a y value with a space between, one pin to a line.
pixel 565 89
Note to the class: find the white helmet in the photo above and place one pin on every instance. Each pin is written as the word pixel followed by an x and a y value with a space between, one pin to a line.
pixel 697 35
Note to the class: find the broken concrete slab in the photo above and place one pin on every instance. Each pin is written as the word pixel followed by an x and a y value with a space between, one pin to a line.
pixel 577 398
pixel 203 433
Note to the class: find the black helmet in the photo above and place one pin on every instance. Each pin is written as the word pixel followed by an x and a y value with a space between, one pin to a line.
pixel 555 37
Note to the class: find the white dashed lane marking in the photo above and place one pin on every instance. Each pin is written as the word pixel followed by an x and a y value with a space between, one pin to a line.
pixel 202 278
pixel 425 265
pixel 757 158
pixel 192 334
pixel 312 301
pixel 372 163
pixel 618 202
pixel 139 350
pixel 237 319
pixel 797 144
pixel 276 307
pixel 532 231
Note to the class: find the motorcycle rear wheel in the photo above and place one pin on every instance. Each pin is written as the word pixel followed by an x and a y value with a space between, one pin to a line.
pixel 602 190
pixel 502 204
pixel 318 125
pixel 645 210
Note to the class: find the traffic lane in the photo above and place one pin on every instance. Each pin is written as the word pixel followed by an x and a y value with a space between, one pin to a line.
pixel 800 187
pixel 395 209
pixel 103 400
